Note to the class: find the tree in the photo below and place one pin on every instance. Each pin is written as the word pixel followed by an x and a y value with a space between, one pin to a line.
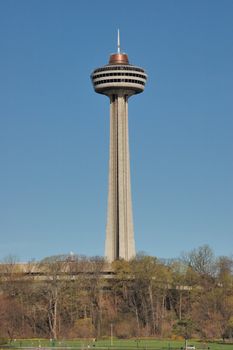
pixel 201 260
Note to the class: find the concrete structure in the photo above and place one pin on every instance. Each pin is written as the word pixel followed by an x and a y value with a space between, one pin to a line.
pixel 119 80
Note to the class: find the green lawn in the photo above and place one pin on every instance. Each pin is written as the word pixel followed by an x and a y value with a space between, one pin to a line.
pixel 119 344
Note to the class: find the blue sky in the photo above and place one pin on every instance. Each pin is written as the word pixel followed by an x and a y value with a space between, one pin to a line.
pixel 54 130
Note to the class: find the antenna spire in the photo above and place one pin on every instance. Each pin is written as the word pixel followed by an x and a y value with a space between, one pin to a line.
pixel 118 42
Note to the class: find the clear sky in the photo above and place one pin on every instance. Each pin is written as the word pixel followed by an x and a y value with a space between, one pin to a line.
pixel 54 130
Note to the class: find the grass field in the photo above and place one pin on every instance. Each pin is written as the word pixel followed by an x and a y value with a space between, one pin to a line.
pixel 116 344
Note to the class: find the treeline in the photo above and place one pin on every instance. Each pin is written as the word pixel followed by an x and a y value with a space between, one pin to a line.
pixel 76 296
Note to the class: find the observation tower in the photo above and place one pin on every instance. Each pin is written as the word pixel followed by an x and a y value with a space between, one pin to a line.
pixel 119 80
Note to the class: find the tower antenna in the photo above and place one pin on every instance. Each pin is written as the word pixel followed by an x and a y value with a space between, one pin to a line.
pixel 118 41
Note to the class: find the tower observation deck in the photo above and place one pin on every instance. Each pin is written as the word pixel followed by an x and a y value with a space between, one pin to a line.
pixel 119 80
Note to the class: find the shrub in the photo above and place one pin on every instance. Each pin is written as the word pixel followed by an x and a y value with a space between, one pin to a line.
pixel 3 341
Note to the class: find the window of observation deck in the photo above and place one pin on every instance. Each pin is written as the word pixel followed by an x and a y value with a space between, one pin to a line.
pixel 112 67
pixel 95 76
pixel 120 81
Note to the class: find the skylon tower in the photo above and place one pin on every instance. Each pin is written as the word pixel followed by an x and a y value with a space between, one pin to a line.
pixel 119 80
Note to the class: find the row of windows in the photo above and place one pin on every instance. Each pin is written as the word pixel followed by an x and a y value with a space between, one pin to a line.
pixel 117 74
pixel 112 67
pixel 119 81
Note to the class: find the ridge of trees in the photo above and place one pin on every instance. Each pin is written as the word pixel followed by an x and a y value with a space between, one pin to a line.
pixel 190 297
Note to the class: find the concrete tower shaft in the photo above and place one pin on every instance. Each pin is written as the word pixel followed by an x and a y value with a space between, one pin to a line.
pixel 119 231
pixel 119 80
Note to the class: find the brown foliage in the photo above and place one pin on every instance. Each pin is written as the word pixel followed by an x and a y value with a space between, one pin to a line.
pixel 144 297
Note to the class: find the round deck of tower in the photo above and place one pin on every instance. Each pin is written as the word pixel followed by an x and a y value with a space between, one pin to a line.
pixel 118 75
